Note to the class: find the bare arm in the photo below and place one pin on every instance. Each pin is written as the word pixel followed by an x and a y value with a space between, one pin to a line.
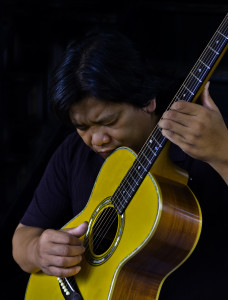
pixel 199 130
pixel 55 252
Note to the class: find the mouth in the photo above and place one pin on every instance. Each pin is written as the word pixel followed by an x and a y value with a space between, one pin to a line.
pixel 106 153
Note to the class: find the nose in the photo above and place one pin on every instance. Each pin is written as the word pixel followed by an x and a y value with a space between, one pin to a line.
pixel 99 137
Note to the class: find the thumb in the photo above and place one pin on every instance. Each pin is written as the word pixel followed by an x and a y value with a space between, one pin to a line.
pixel 79 230
pixel 206 99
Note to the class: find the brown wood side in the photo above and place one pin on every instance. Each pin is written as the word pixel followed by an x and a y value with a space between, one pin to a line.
pixel 173 240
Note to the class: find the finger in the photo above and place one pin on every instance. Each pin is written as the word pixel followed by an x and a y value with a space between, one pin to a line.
pixel 178 127
pixel 62 272
pixel 64 261
pixel 78 231
pixel 59 237
pixel 181 142
pixel 181 135
pixel 206 99
pixel 175 137
pixel 171 117
pixel 66 250
pixel 185 107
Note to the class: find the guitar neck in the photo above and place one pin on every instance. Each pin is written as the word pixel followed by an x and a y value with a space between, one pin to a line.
pixel 194 82
pixel 188 91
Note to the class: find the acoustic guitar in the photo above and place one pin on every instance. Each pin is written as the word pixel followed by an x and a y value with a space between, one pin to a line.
pixel 144 221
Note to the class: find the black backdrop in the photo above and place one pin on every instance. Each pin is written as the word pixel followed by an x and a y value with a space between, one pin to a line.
pixel 33 36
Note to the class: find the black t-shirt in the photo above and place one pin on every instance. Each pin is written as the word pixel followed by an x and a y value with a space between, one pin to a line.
pixel 65 189
pixel 65 186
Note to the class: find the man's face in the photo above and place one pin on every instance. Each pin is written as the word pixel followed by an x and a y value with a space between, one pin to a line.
pixel 105 126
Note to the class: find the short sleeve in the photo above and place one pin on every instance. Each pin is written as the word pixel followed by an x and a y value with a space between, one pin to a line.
pixel 59 192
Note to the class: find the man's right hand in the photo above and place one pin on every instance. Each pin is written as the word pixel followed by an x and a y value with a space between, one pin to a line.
pixel 55 252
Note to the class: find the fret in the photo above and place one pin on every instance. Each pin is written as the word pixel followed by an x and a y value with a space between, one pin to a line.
pixel 204 64
pixel 153 151
pixel 223 35
pixel 188 89
pixel 200 70
pixel 154 144
pixel 123 193
pixel 130 187
pixel 197 78
pixel 218 42
pixel 125 197
pixel 213 50
pixel 137 173
pixel 138 167
pixel 210 58
pixel 157 141
pixel 185 95
pixel 136 181
pixel 145 157
pixel 119 201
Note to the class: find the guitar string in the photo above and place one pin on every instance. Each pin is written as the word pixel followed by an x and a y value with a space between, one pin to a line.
pixel 101 224
pixel 177 96
pixel 181 90
pixel 190 87
pixel 184 89
pixel 104 232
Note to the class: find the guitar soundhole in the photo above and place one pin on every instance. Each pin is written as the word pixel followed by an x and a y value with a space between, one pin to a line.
pixel 104 230
pixel 104 233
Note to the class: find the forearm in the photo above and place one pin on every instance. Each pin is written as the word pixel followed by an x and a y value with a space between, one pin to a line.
pixel 218 160
pixel 222 169
pixel 25 247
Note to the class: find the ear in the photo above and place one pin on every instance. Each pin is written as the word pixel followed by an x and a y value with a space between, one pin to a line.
pixel 151 106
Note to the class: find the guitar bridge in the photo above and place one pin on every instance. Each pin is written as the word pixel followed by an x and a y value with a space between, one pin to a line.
pixel 69 288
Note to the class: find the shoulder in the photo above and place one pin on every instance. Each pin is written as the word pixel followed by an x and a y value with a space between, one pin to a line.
pixel 71 149
pixel 73 155
pixel 72 142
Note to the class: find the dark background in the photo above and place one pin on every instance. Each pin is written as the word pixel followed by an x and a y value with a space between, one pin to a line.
pixel 33 35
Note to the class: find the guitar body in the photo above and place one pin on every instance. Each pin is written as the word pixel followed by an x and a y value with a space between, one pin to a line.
pixel 144 221
pixel 155 234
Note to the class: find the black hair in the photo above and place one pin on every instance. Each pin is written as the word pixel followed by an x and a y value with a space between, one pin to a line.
pixel 106 66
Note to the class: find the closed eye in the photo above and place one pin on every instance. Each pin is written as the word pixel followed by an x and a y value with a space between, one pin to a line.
pixel 81 127
pixel 111 123
pixel 84 127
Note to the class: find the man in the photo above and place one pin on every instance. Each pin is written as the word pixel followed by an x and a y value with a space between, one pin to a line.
pixel 104 89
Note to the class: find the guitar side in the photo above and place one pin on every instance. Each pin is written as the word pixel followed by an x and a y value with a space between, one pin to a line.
pixel 159 230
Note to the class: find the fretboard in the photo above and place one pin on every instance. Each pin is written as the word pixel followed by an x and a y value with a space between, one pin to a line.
pixel 196 78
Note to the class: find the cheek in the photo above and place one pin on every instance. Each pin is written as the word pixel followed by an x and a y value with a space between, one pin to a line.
pixel 125 130
pixel 123 136
pixel 84 136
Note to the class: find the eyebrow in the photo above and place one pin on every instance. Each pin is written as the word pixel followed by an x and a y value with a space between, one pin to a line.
pixel 99 121
pixel 105 118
